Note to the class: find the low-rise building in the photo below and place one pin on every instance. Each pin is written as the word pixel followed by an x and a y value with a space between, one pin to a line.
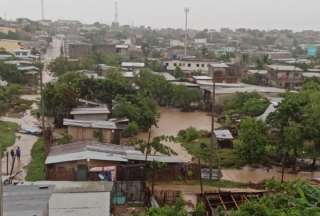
pixel 285 76
pixel 104 131
pixel 188 65
pixel 87 159
pixel 100 113
pixel 225 73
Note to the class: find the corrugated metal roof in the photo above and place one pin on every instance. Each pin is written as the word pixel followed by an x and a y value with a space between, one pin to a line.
pixel 223 134
pixel 85 155
pixel 219 65
pixel 90 124
pixel 105 152
pixel 90 110
pixel 132 64
pixel 80 204
pixel 285 68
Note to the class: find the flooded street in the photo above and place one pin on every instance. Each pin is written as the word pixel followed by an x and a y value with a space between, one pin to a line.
pixel 172 121
pixel 25 141
pixel 253 175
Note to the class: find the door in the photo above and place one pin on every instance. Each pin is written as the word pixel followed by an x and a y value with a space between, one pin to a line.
pixel 82 173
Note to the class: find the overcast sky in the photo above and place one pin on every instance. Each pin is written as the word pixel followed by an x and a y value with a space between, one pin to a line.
pixel 262 14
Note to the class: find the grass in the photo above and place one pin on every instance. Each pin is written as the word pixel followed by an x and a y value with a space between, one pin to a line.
pixel 36 168
pixel 228 157
pixel 7 134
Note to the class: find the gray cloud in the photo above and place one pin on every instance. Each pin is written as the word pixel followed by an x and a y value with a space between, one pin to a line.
pixel 263 14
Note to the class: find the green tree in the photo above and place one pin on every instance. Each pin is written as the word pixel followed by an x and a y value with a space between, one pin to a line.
pixel 252 141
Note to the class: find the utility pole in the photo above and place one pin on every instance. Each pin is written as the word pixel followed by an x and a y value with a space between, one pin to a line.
pixel 42 9
pixel 213 144
pixel 41 98
pixel 186 10
pixel 1 187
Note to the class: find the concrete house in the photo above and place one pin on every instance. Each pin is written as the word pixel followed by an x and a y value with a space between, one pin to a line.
pixel 224 73
pixel 285 76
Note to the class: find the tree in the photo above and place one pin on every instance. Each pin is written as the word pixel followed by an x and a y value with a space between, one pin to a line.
pixel 131 130
pixel 153 147
pixel 252 141
pixel 178 73
pixel 10 73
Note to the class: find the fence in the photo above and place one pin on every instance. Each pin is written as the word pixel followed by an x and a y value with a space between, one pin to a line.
pixel 128 192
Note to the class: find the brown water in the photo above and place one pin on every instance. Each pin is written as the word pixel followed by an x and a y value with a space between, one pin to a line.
pixel 173 120
pixel 253 175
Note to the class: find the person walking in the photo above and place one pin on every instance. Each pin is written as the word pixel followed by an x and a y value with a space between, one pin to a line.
pixel 12 154
pixel 18 153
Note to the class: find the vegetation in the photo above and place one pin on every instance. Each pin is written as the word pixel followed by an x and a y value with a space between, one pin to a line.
pixel 255 79
pixel 177 210
pixel 7 134
pixel 295 125
pixel 62 65
pixel 36 168
pixel 251 145
pixel 138 103
pixel 290 199
pixel 10 73
pixel 247 104
pixel 197 144
pixel 9 96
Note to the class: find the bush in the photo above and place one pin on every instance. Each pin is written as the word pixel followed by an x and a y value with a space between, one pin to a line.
pixel 189 135
pixel 36 169
pixel 131 130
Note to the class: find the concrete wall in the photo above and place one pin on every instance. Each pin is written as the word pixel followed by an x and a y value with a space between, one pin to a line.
pixel 187 65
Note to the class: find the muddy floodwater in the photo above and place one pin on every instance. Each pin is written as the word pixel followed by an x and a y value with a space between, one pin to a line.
pixel 253 175
pixel 173 120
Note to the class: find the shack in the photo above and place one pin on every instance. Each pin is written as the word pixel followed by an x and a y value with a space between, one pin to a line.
pixel 103 131
pixel 91 160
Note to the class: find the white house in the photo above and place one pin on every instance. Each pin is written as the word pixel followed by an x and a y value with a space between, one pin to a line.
pixel 188 65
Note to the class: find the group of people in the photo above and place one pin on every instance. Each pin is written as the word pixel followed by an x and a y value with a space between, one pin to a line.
pixel 16 153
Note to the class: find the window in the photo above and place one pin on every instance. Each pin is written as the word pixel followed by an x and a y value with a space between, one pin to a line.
pixel 202 65
pixel 180 64
pixel 175 64
pixel 198 65
pixel 189 65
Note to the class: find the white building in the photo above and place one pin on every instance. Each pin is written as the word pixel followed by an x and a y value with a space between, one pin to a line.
pixel 188 65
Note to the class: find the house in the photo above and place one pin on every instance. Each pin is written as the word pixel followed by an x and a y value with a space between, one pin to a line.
pixel 92 160
pixel 81 199
pixel 224 73
pixel 24 54
pixel 100 113
pixel 188 65
pixel 285 76
pixel 132 65
pixel 105 131
pixel 224 138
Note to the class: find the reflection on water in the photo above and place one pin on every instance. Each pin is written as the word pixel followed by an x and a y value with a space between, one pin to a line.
pixel 248 174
